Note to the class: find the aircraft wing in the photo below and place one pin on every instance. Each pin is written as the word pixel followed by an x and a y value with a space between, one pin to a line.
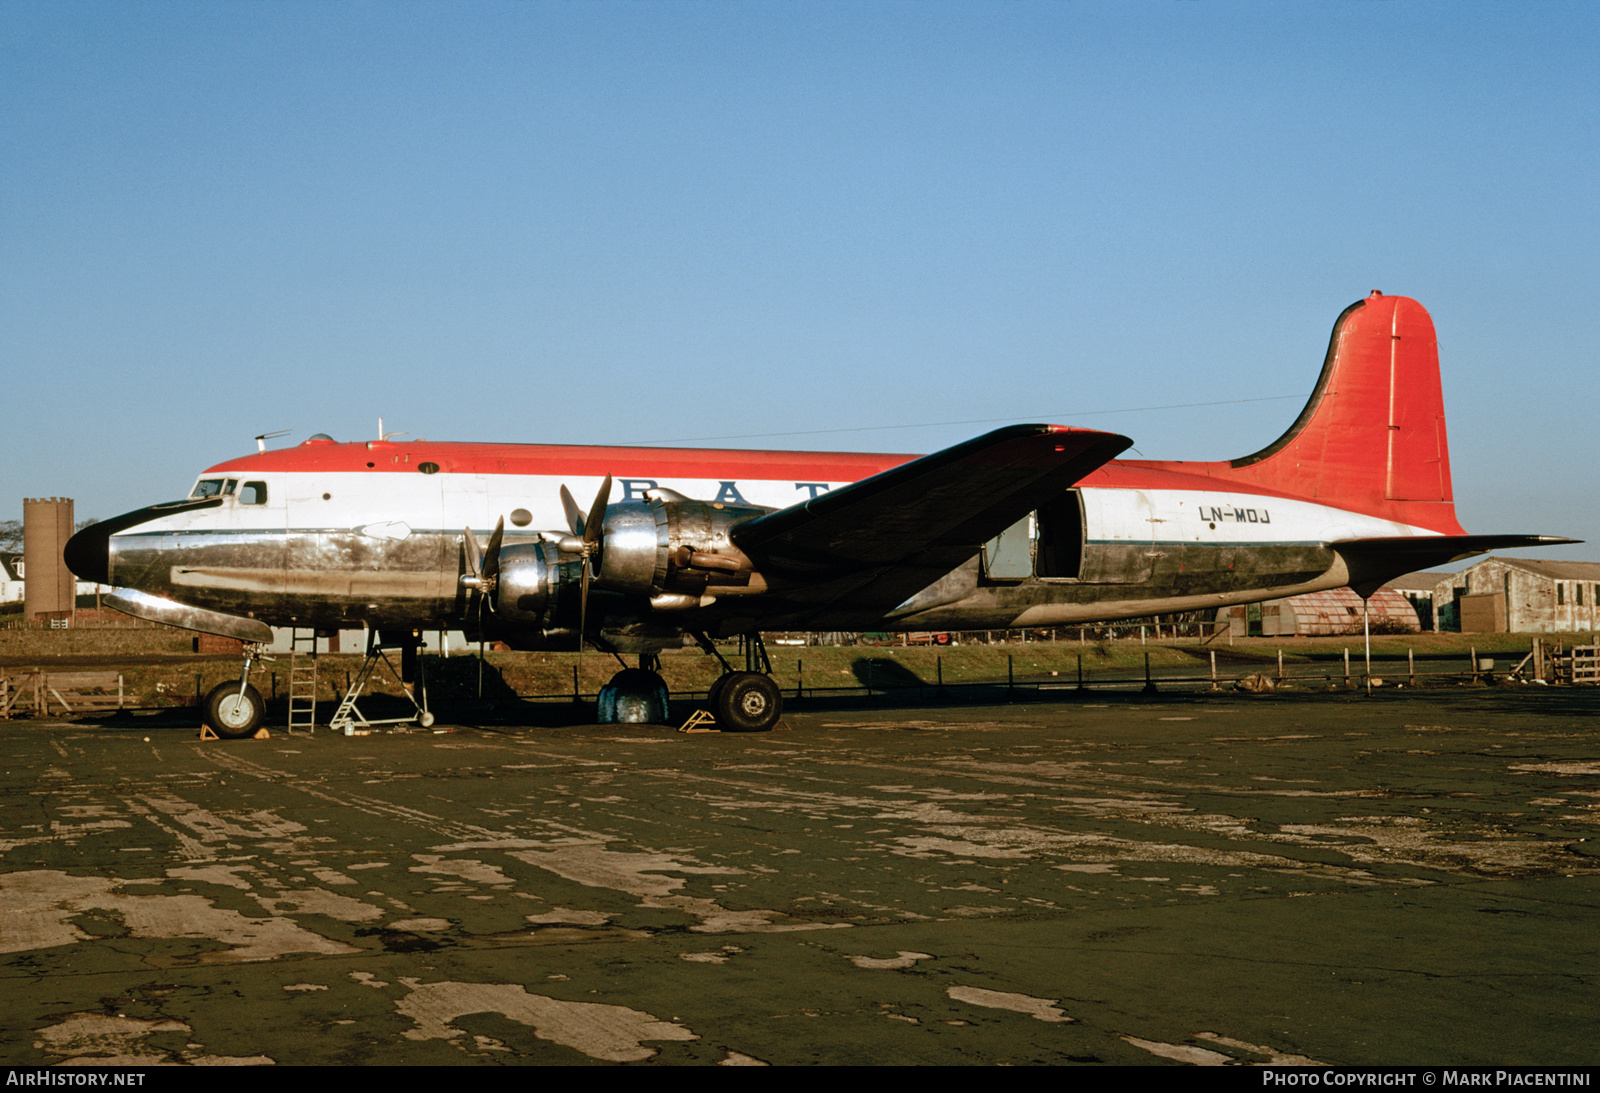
pixel 881 540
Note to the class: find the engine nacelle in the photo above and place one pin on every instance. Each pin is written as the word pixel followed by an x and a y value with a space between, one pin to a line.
pixel 670 547
pixel 538 589
pixel 537 605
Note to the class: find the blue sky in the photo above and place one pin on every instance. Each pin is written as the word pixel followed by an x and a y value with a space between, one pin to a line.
pixel 872 226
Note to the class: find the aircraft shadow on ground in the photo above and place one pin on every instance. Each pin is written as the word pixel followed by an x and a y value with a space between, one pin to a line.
pixel 456 679
pixel 884 674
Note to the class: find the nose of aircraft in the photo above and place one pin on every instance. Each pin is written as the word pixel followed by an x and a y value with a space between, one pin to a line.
pixel 88 553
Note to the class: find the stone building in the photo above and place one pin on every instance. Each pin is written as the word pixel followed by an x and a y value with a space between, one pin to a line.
pixel 1520 595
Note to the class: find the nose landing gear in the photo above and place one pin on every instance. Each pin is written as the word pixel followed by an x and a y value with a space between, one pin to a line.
pixel 234 711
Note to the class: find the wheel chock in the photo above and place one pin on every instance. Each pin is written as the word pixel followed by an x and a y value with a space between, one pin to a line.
pixel 705 721
pixel 207 734
pixel 700 721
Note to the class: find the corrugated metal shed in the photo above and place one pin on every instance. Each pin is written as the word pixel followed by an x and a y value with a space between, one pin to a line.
pixel 1321 614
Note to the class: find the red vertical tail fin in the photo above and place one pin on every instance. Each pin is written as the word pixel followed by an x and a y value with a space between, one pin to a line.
pixel 1372 437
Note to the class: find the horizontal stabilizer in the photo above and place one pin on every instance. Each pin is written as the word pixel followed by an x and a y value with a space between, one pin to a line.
pixel 1373 561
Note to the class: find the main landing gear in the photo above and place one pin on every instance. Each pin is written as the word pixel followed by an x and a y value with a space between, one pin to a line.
pixel 747 701
pixel 635 696
pixel 740 701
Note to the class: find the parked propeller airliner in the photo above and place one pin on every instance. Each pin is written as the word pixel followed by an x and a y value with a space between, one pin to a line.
pixel 1030 525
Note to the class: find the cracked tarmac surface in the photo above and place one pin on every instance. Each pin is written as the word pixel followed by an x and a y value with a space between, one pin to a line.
pixel 1189 880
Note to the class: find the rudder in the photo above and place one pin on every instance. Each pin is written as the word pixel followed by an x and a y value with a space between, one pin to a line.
pixel 1371 438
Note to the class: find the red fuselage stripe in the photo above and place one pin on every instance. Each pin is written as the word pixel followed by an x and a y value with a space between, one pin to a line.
pixel 687 463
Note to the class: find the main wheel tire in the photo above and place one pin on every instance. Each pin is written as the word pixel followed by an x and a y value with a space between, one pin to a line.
pixel 748 702
pixel 232 714
pixel 715 690
pixel 634 696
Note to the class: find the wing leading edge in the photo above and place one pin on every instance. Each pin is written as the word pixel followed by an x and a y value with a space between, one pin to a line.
pixel 884 538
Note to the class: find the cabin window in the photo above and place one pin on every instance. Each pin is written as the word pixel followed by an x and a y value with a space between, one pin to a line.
pixel 254 493
pixel 208 487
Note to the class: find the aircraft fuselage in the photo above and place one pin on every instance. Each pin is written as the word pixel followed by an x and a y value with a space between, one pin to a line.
pixel 329 535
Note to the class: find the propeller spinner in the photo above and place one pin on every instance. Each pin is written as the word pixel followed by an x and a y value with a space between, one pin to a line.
pixel 483 568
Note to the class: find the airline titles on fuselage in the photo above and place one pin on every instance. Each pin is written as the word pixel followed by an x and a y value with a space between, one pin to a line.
pixel 633 489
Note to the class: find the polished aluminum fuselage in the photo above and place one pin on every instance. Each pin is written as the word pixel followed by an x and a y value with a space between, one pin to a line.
pixel 333 548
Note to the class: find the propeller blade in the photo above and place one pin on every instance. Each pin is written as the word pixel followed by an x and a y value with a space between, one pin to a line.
pixel 474 580
pixel 595 524
pixel 584 541
pixel 574 513
pixel 491 556
pixel 583 605
pixel 593 527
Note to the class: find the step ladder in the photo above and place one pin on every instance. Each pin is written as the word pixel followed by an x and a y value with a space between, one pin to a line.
pixel 349 719
pixel 303 680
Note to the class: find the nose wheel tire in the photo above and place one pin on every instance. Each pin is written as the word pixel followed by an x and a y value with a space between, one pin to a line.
pixel 747 702
pixel 232 714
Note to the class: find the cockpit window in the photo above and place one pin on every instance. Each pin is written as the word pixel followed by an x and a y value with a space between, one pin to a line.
pixel 253 493
pixel 215 487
